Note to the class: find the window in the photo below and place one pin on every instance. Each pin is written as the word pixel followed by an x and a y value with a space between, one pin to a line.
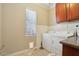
pixel 30 22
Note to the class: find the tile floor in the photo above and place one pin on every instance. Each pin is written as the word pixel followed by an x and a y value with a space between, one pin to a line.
pixel 34 52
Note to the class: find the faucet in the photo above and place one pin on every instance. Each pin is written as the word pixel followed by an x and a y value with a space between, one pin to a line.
pixel 76 33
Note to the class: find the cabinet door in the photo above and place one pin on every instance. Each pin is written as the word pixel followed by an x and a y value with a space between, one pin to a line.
pixel 60 12
pixel 74 11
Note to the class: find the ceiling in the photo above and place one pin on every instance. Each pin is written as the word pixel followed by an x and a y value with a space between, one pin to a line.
pixel 48 4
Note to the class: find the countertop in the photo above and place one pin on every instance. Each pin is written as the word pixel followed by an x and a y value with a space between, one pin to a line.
pixel 71 42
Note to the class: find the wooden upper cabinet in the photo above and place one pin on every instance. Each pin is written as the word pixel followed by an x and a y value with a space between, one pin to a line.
pixel 74 12
pixel 67 12
pixel 60 12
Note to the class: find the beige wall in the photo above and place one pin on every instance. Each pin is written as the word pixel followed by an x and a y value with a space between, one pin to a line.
pixel 0 26
pixel 41 29
pixel 52 16
pixel 13 24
